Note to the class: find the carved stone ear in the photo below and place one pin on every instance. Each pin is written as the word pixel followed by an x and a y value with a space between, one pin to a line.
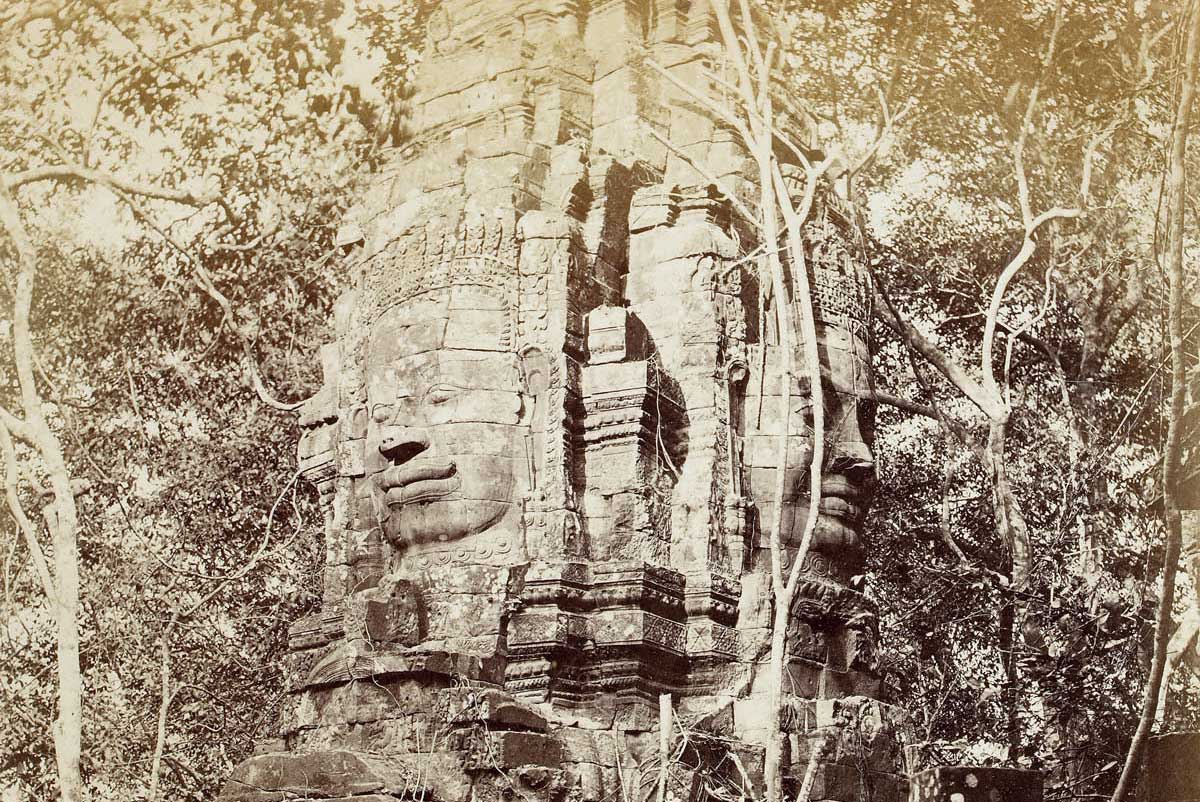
pixel 535 371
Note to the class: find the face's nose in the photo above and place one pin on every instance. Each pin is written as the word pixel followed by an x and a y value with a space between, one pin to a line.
pixel 401 443
pixel 855 461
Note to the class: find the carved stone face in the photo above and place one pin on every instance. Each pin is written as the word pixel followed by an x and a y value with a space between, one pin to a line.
pixel 445 450
pixel 849 477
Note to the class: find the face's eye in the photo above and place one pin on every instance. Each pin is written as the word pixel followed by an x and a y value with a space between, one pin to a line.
pixel 866 419
pixel 441 394
pixel 802 407
pixel 383 413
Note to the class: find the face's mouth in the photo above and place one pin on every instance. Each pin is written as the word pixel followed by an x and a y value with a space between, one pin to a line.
pixel 418 481
pixel 839 508
pixel 842 499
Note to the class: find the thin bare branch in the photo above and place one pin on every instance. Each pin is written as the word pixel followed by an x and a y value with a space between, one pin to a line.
pixel 1027 121
pixel 752 45
pixel 779 133
pixel 988 404
pixel 123 74
pixel 77 172
pixel 906 405
pixel 1028 247
pixel 17 427
pixel 723 113
pixel 204 280
pixel 28 530
pixel 889 123
pixel 1015 334
pixel 733 48
pixel 1173 447
pixel 949 471
pixel 10 219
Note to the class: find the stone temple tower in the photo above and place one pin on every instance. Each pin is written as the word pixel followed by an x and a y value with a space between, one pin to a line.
pixel 547 447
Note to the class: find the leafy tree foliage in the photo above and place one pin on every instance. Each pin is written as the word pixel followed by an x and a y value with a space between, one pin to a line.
pixel 181 169
pixel 1087 377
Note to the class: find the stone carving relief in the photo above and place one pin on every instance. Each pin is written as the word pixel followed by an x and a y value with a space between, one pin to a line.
pixel 445 453
pixel 849 476
pixel 548 439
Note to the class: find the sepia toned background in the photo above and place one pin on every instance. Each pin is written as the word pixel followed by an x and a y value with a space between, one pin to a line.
pixel 181 182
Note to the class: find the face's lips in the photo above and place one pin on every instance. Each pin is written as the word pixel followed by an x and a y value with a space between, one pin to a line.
pixel 418 481
pixel 837 484
pixel 842 499
pixel 421 491
pixel 837 507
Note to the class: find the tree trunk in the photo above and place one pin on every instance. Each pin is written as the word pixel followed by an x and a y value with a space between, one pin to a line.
pixel 62 517
pixel 1172 450
pixel 1181 643
pixel 1010 694
pixel 68 728
pixel 1189 548
pixel 773 757
pixel 1014 613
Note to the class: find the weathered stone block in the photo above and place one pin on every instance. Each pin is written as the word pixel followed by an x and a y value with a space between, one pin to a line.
pixel 511 749
pixel 652 207
pixel 1171 772
pixel 608 335
pixel 832 782
pixel 598 783
pixel 321 774
pixel 388 613
pixel 976 784
pixel 750 717
pixel 495 708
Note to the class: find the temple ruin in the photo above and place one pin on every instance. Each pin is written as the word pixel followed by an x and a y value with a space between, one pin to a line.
pixel 547 447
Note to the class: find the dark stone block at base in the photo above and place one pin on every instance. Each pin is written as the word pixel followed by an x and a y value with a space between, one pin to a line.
pixel 836 782
pixel 270 777
pixel 976 784
pixel 487 773
pixel 1171 772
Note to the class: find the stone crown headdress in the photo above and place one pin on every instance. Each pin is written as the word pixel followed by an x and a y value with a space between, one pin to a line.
pixel 841 287
pixel 482 254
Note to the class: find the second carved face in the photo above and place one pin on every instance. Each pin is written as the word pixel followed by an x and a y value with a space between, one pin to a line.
pixel 848 476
